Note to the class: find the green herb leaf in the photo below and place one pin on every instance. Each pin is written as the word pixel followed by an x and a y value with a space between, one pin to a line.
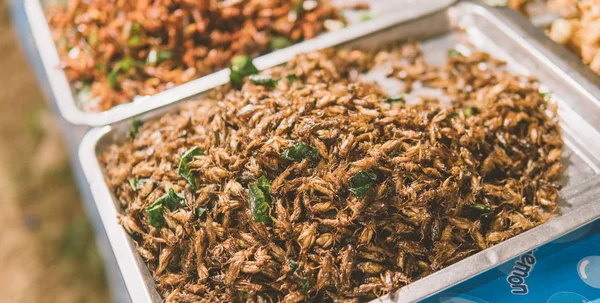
pixel 136 184
pixel 482 209
pixel 164 55
pixel 155 215
pixel 362 182
pixel 127 63
pixel 293 264
pixel 184 170
pixel 299 152
pixel 136 27
pixel 396 98
pixel 452 115
pixel 133 130
pixel 132 183
pixel 279 42
pixel 260 199
pixel 217 138
pixel 471 111
pixel 265 186
pixel 158 56
pixel 303 280
pixel 92 37
pixel 134 40
pixel 546 96
pixel 264 80
pixel 100 66
pixel 200 211
pixel 172 200
pixel 291 77
pixel 135 34
pixel 241 66
pixel 454 53
pixel 298 7
pixel 305 284
pixel 365 15
pixel 241 61
pixel 112 78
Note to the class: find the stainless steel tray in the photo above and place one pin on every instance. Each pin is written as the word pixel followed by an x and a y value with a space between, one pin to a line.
pixel 387 12
pixel 506 35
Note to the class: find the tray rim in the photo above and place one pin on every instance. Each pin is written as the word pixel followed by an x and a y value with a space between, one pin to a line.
pixel 66 99
pixel 136 278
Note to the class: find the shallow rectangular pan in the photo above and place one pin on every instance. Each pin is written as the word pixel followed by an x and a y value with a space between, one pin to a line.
pixel 386 12
pixel 506 35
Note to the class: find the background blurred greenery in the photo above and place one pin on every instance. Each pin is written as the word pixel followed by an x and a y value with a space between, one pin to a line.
pixel 48 249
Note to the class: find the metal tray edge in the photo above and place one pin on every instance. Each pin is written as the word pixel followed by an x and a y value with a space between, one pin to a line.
pixel 122 246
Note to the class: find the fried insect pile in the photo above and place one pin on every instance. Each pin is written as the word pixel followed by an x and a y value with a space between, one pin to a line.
pixel 115 50
pixel 312 185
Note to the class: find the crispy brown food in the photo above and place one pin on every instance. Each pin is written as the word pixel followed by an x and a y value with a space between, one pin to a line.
pixel 115 50
pixel 567 8
pixel 580 31
pixel 519 5
pixel 446 181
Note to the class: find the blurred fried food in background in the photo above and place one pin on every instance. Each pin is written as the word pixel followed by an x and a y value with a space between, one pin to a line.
pixel 579 29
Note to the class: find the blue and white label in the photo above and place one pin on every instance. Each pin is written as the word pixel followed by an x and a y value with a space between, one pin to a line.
pixel 460 298
pixel 520 271
pixel 567 297
pixel 563 271
pixel 588 269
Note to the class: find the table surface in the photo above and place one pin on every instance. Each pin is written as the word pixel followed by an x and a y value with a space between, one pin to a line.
pixel 566 270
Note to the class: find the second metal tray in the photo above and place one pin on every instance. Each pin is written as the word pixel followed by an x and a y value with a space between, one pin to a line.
pixel 501 32
pixel 390 12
